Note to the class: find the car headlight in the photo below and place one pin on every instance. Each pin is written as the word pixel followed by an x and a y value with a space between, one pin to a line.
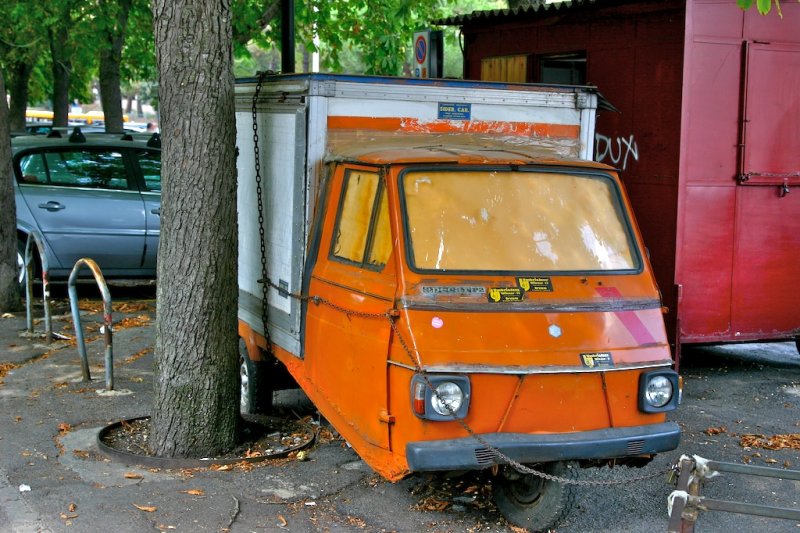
pixel 658 391
pixel 436 397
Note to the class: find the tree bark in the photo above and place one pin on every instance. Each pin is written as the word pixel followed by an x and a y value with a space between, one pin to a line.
pixel 20 75
pixel 9 290
pixel 109 75
pixel 196 406
pixel 62 69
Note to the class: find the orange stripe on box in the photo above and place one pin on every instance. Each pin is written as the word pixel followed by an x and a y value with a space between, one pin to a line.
pixel 413 125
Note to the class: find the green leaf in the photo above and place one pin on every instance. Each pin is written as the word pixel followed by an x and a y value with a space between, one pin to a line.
pixel 744 4
pixel 764 6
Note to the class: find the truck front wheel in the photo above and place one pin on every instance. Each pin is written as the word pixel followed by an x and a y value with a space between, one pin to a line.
pixel 530 501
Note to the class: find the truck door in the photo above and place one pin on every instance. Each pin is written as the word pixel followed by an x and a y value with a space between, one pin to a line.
pixel 767 246
pixel 346 336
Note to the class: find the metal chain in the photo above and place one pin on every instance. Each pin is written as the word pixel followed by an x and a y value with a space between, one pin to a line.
pixel 261 236
pixel 390 316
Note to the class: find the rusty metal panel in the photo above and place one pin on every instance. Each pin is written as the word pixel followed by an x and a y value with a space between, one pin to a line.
pixel 713 114
pixel 772 107
pixel 766 264
pixel 706 248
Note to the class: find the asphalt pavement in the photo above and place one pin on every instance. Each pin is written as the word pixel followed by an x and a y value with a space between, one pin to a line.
pixel 53 477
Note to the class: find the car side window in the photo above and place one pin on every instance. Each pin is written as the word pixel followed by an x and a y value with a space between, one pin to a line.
pixel 150 163
pixel 32 169
pixel 362 232
pixel 87 168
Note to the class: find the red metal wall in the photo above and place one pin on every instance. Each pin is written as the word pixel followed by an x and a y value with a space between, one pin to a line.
pixel 694 80
pixel 739 243
pixel 635 57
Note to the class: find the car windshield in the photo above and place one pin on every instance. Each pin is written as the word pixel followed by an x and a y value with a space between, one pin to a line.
pixel 515 221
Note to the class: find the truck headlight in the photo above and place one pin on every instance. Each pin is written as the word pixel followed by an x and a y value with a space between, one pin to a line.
pixel 658 391
pixel 448 398
pixel 451 397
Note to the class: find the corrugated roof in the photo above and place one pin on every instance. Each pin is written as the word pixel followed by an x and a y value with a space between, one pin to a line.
pixel 537 8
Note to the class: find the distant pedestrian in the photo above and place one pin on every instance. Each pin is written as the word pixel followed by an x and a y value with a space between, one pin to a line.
pixel 151 127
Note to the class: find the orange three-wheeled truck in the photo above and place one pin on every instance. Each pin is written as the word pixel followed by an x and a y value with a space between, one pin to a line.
pixel 449 279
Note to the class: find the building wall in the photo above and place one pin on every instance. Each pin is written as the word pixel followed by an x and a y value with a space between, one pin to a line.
pixel 739 251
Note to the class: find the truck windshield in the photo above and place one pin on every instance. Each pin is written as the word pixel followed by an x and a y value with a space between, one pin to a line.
pixel 515 221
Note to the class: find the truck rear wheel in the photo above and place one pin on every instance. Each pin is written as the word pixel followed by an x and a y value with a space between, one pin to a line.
pixel 532 502
pixel 255 396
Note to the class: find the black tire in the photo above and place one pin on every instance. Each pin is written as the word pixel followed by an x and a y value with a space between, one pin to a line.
pixel 531 502
pixel 255 390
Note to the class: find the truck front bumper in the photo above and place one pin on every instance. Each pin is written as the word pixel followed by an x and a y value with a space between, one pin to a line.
pixel 469 454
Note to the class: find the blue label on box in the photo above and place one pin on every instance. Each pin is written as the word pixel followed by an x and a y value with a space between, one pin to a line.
pixel 454 111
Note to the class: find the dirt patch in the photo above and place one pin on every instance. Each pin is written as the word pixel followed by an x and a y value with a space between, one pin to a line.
pixel 260 438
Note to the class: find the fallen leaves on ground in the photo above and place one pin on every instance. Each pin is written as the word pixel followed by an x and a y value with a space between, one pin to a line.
pixel 132 475
pixel 194 492
pixel 137 355
pixel 359 523
pixel 130 307
pixel 775 442
pixel 716 430
pixel 83 454
pixel 432 504
pixel 92 306
pixel 282 521
pixel 5 368
pixel 72 507
pixel 133 322
pixel 146 508
pixel 64 428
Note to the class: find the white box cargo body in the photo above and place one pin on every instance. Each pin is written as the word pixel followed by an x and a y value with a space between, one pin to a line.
pixel 302 121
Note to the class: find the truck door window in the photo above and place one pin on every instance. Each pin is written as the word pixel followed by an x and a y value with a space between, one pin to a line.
pixel 514 221
pixel 362 232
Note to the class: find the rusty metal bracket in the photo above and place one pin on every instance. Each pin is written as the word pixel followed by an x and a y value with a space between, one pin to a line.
pixel 685 501
pixel 76 319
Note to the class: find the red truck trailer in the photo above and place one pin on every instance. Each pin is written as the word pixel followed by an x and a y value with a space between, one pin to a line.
pixel 706 133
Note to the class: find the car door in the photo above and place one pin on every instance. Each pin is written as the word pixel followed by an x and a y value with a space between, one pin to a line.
pixel 149 163
pixel 85 204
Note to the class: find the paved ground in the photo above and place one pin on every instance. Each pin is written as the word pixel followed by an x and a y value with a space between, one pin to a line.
pixel 53 478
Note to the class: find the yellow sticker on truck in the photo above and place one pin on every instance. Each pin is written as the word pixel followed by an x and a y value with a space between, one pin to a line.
pixel 506 294
pixel 597 360
pixel 535 284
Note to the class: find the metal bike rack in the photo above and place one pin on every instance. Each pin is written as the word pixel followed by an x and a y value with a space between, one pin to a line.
pixel 76 319
pixel 685 502
pixel 28 266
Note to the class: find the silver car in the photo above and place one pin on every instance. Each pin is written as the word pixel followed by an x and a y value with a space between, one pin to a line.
pixel 95 195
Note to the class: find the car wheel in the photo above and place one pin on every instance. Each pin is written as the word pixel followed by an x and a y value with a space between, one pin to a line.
pixel 532 502
pixel 255 393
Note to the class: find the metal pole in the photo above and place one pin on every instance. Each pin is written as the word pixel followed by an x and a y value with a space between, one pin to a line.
pixel 287 36
pixel 107 322
pixel 753 470
pixel 746 508
pixel 28 265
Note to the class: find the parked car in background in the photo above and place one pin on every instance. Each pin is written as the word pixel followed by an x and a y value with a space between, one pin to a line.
pixel 95 195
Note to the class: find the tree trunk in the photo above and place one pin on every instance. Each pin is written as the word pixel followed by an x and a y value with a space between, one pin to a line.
pixel 196 406
pixel 110 58
pixel 20 75
pixel 9 290
pixel 110 93
pixel 62 69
